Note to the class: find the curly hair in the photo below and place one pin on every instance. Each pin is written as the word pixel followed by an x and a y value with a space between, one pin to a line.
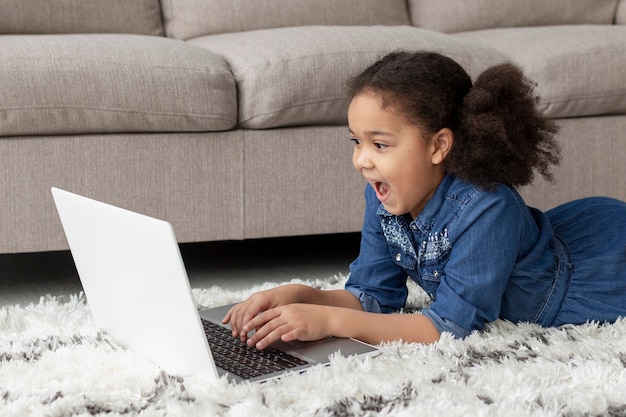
pixel 500 135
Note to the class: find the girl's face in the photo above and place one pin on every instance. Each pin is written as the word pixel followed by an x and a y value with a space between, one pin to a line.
pixel 402 165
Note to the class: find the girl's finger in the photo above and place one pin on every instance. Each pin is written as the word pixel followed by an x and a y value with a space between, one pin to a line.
pixel 268 334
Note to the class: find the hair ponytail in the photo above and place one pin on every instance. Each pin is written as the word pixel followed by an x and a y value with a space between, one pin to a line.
pixel 502 137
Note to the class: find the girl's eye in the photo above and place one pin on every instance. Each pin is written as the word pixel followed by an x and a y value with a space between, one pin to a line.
pixel 356 141
pixel 380 145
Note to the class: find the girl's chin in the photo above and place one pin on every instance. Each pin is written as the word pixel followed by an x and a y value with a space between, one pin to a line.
pixel 394 210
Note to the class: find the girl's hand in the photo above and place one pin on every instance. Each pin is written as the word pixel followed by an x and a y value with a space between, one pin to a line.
pixel 242 313
pixel 304 322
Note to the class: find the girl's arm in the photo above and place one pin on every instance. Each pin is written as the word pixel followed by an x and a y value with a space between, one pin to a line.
pixel 313 322
pixel 242 313
pixel 334 298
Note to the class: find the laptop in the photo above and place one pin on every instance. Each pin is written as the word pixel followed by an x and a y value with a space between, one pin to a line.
pixel 138 291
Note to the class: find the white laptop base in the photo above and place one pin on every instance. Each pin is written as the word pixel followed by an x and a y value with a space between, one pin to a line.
pixel 138 291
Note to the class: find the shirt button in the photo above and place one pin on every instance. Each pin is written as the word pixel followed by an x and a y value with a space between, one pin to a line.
pixel 398 257
pixel 413 227
pixel 436 274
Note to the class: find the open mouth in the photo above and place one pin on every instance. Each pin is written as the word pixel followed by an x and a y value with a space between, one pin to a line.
pixel 382 190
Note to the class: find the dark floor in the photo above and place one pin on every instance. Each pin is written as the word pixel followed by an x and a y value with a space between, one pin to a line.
pixel 24 278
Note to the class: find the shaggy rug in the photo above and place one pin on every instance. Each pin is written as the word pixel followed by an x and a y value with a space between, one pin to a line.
pixel 54 362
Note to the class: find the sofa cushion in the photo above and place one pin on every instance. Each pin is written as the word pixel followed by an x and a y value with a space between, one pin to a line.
pixel 81 16
pixel 464 15
pixel 56 84
pixel 579 69
pixel 297 76
pixel 186 19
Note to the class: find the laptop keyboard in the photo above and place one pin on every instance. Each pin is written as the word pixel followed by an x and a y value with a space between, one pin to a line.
pixel 232 355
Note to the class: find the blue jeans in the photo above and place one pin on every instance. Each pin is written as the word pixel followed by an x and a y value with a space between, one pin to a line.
pixel 594 231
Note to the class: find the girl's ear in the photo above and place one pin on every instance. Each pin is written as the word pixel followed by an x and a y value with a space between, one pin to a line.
pixel 442 144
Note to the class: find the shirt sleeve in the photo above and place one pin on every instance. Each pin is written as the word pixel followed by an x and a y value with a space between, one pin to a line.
pixel 483 256
pixel 375 279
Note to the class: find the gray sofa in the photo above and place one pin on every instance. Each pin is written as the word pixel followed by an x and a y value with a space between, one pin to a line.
pixel 228 118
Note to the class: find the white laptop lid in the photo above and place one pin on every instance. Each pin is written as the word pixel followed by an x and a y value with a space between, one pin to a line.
pixel 128 264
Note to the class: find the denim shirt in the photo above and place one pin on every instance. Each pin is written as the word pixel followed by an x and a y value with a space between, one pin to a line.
pixel 480 255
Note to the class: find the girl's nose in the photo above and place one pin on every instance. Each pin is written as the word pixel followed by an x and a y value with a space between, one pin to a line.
pixel 361 159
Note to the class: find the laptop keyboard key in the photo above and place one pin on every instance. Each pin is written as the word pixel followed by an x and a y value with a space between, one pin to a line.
pixel 234 356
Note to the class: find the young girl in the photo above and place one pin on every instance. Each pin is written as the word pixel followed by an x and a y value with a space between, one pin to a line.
pixel 442 158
